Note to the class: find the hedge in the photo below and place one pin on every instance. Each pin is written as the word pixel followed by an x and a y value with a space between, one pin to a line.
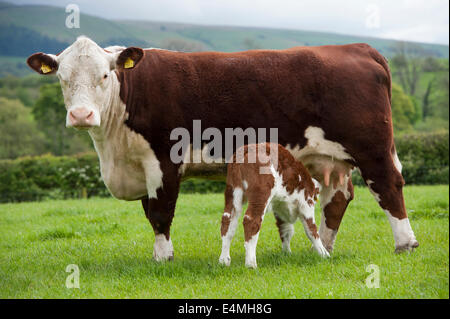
pixel 50 177
pixel 424 157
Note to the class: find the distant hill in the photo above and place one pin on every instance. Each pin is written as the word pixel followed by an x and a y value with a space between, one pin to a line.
pixel 27 29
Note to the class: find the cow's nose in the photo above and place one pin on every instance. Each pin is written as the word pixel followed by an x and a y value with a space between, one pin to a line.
pixel 81 116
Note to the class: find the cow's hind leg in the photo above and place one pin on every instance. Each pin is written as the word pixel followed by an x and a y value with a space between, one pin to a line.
pixel 385 181
pixel 334 200
pixel 230 217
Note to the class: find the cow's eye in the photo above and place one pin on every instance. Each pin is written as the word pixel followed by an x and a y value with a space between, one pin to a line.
pixel 105 76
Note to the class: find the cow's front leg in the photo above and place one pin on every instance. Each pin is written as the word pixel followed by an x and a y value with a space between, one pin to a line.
pixel 160 219
pixel 160 211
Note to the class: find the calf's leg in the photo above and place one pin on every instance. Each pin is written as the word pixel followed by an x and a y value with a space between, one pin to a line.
pixel 286 231
pixel 258 201
pixel 307 218
pixel 232 211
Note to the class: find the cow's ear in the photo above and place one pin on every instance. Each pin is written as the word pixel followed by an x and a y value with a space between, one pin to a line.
pixel 129 58
pixel 43 63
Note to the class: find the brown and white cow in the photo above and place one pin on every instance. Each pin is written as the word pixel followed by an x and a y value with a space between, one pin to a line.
pixel 269 178
pixel 331 105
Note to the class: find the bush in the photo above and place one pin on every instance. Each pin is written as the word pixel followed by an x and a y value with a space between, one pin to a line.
pixel 424 157
pixel 37 178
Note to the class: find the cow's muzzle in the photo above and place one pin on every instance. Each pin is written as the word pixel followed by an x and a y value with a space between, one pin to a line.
pixel 82 118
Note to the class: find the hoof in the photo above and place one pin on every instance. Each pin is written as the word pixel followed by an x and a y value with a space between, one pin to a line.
pixel 286 250
pixel 163 258
pixel 407 247
pixel 323 252
pixel 251 264
pixel 226 261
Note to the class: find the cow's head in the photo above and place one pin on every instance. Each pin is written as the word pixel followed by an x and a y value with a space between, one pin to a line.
pixel 85 70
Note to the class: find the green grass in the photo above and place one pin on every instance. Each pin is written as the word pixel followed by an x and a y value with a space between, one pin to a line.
pixel 111 241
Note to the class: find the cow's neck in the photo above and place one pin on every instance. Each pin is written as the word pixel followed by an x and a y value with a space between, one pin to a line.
pixel 125 156
pixel 113 140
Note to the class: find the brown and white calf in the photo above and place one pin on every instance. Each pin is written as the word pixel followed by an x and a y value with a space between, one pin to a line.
pixel 330 104
pixel 268 177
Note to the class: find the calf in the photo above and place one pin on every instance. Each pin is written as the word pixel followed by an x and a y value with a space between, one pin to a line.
pixel 267 175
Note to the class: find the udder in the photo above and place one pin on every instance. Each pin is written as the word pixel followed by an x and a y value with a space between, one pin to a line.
pixel 327 170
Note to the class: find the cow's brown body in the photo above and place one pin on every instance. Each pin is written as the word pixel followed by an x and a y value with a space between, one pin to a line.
pixel 344 90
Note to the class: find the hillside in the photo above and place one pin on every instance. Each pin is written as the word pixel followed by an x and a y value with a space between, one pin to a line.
pixel 30 28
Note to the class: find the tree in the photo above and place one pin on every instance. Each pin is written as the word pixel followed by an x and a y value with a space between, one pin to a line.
pixel 437 86
pixel 407 64
pixel 19 135
pixel 403 111
pixel 424 78
pixel 439 98
pixel 50 114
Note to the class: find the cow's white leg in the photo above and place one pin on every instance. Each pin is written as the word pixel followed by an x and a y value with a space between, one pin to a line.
pixel 160 210
pixel 309 224
pixel 382 174
pixel 163 248
pixel 403 234
pixel 230 217
pixel 334 200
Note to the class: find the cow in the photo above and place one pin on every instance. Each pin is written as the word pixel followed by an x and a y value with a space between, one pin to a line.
pixel 330 104
pixel 286 188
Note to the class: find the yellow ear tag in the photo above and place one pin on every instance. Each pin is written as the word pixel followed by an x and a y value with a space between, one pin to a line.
pixel 45 68
pixel 128 63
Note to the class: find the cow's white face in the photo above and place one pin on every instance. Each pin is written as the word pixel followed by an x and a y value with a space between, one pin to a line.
pixel 84 72
pixel 84 76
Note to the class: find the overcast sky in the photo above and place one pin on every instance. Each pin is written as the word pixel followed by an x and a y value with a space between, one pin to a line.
pixel 413 20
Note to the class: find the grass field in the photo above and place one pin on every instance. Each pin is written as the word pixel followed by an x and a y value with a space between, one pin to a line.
pixel 111 242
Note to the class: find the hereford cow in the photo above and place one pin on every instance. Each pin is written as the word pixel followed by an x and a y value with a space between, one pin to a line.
pixel 287 188
pixel 331 105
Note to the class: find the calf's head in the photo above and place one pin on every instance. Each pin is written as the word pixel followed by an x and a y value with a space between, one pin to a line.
pixel 85 72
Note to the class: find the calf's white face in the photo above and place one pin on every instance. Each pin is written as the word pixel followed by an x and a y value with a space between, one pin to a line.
pixel 84 72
